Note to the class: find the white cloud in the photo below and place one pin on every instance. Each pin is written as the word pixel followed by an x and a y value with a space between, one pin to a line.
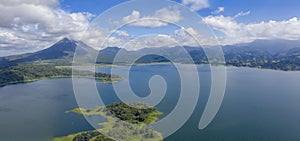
pixel 150 41
pixel 97 38
pixel 196 5
pixel 185 36
pixel 169 14
pixel 31 25
pixel 160 18
pixel 240 14
pixel 16 42
pixel 226 25
pixel 219 10
pixel 122 33
pixel 180 37
pixel 35 2
pixel 233 32
pixel 236 32
pixel 119 38
pixel 37 23
pixel 148 22
pixel 135 15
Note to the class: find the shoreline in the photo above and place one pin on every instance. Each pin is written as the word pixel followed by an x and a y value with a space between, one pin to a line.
pixel 165 63
pixel 104 81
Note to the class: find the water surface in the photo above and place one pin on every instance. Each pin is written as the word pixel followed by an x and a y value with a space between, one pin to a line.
pixel 259 105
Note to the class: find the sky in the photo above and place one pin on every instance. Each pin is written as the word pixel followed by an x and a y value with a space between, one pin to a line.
pixel 32 25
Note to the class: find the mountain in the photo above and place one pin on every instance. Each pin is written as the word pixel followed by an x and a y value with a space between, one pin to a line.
pixel 117 55
pixel 151 55
pixel 273 54
pixel 107 55
pixel 271 47
pixel 61 52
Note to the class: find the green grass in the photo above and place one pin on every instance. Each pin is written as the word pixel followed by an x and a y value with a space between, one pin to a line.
pixel 131 127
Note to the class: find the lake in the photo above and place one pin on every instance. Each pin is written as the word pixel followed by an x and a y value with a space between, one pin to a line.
pixel 259 105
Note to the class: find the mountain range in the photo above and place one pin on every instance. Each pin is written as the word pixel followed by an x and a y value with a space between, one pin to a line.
pixel 273 54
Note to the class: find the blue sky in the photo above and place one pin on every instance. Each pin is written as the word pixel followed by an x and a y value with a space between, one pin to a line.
pixel 238 18
pixel 32 25
pixel 261 10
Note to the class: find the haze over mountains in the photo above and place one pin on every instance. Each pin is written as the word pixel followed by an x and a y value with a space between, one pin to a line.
pixel 273 54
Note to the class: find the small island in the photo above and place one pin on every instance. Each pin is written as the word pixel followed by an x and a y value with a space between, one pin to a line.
pixel 30 72
pixel 124 122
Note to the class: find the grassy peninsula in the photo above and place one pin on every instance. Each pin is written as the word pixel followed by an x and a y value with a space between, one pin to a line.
pixel 29 72
pixel 124 122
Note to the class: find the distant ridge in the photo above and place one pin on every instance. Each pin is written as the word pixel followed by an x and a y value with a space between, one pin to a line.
pixel 272 54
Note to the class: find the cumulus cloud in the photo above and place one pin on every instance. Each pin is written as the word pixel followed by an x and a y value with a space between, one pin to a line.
pixel 180 37
pixel 196 5
pixel 169 14
pixel 150 41
pixel 187 36
pixel 16 42
pixel 160 18
pixel 122 33
pixel 135 15
pixel 37 23
pixel 236 32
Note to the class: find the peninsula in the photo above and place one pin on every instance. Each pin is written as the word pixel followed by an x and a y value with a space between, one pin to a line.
pixel 30 72
pixel 124 122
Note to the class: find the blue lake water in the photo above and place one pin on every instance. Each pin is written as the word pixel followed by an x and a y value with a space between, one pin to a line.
pixel 259 105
